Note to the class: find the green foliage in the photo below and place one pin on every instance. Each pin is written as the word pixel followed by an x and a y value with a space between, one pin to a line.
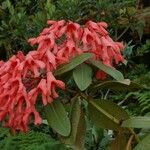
pixel 57 118
pixel 139 26
pixel 122 85
pixel 68 9
pixel 144 144
pixel 73 63
pixel 103 145
pixel 128 51
pixel 75 115
pixel 4 132
pixel 26 18
pixel 106 114
pixel 141 75
pixel 83 76
pixel 137 122
pixel 145 48
pixel 30 141
pixel 143 99
pixel 110 71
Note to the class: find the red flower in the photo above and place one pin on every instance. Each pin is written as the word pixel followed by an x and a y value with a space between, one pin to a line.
pixel 24 77
pixel 101 75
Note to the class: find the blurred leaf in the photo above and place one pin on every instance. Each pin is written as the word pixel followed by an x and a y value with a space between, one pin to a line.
pixel 123 21
pixel 137 122
pixel 82 75
pixel 30 141
pixel 57 118
pixel 75 117
pixel 119 142
pixel 97 134
pixel 77 135
pixel 80 137
pixel 131 10
pixel 106 114
pixel 128 50
pixel 73 63
pixel 140 28
pixel 125 84
pixel 4 132
pixel 10 7
pixel 50 8
pixel 144 144
pixel 111 71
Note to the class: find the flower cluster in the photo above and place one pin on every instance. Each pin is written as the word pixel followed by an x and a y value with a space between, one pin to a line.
pixel 24 77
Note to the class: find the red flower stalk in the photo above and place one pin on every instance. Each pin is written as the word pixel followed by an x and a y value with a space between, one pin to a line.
pixel 23 78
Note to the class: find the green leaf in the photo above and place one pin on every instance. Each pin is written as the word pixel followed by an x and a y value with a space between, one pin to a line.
pixel 144 144
pixel 96 133
pixel 82 75
pixel 140 27
pixel 57 118
pixel 106 114
pixel 111 71
pixel 131 10
pixel 30 141
pixel 81 132
pixel 73 63
pixel 77 135
pixel 122 85
pixel 10 7
pixel 137 122
pixel 75 117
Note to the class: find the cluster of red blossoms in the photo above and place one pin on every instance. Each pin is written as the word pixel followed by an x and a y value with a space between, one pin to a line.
pixel 24 77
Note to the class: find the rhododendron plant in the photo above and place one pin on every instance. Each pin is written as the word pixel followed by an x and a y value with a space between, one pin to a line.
pixel 25 77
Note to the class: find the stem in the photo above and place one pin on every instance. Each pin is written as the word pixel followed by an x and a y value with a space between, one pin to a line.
pixel 102 95
pixel 129 142
pixel 125 30
pixel 71 91
pixel 120 103
pixel 106 94
pixel 84 96
pixel 135 135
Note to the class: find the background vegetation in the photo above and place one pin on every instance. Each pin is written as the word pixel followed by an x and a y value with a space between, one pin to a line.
pixel 128 21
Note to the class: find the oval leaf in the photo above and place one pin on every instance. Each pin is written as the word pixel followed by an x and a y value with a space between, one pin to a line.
pixel 82 75
pixel 73 63
pixel 77 136
pixel 106 114
pixel 137 122
pixel 111 71
pixel 81 132
pixel 144 144
pixel 74 117
pixel 122 85
pixel 57 118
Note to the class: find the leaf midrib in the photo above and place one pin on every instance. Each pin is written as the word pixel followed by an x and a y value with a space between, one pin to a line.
pixel 105 113
pixel 61 124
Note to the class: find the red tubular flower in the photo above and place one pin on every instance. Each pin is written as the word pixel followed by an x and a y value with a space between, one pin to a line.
pixel 24 78
pixel 52 83
pixel 101 75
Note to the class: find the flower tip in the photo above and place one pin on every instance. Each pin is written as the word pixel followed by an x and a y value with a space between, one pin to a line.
pixel 101 75
pixel 103 24
pixel 32 41
pixel 50 22
pixel 38 121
